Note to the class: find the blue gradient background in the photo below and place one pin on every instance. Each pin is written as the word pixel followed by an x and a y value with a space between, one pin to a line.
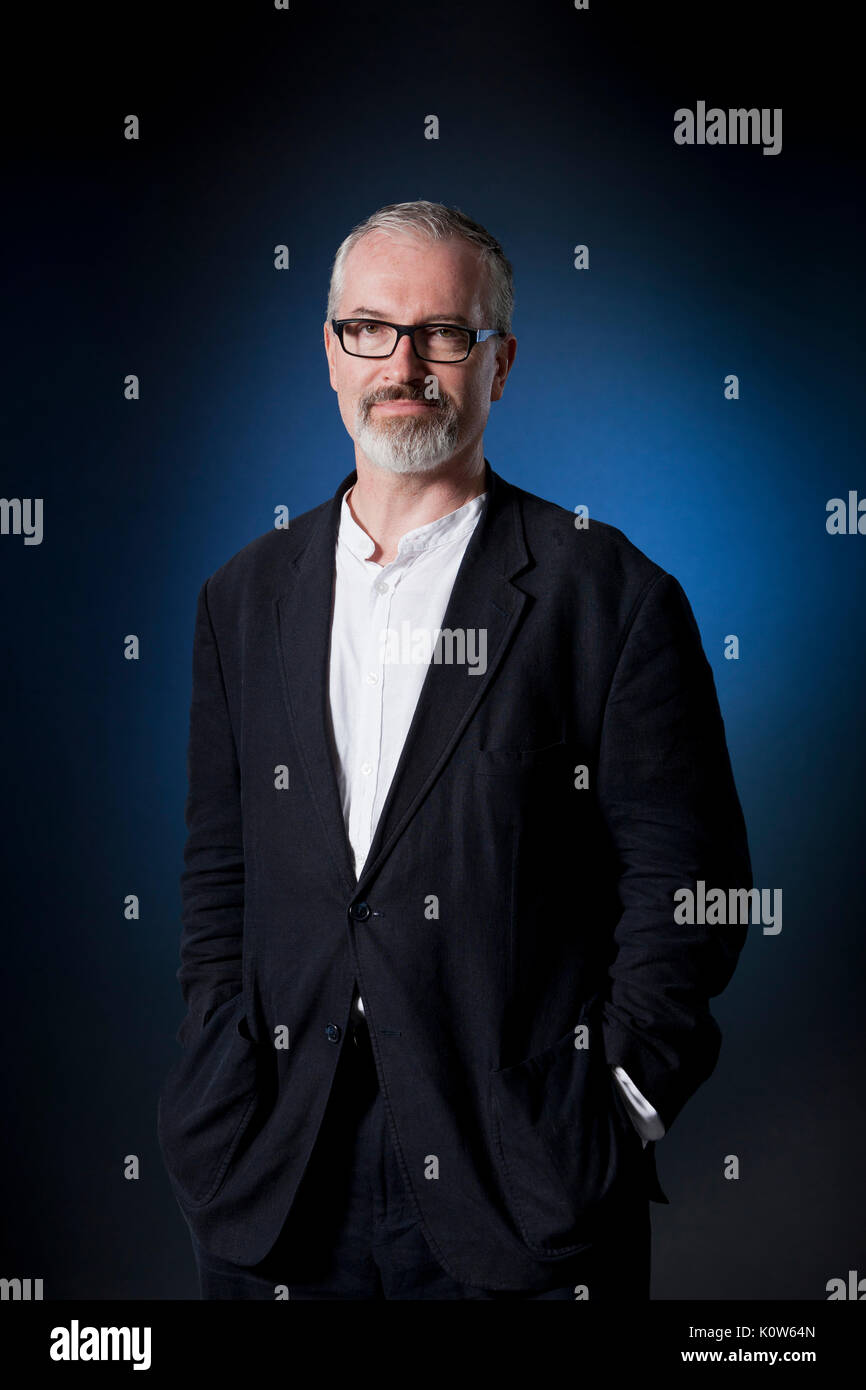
pixel 156 258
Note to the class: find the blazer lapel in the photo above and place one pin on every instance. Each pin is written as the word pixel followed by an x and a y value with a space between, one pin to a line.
pixel 482 598
pixel 302 616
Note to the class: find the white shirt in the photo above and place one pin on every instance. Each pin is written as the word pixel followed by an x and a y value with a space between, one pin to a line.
pixel 371 714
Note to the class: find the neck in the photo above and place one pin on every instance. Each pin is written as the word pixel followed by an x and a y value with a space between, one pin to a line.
pixel 387 505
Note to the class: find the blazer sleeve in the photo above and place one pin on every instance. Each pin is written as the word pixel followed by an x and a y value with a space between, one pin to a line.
pixel 666 792
pixel 212 884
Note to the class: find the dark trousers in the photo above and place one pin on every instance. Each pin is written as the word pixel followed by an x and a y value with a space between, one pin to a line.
pixel 353 1232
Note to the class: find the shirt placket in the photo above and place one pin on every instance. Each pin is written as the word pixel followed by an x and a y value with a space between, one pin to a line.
pixel 372 701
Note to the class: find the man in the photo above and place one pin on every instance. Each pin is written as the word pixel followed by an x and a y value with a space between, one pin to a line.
pixel 450 759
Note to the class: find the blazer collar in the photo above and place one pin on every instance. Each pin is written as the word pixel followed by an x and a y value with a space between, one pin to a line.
pixel 482 597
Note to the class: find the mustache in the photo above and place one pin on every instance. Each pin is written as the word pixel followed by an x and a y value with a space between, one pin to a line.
pixel 407 393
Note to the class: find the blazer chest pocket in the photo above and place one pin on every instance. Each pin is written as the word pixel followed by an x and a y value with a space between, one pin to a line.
pixel 520 762
pixel 207 1102
pixel 563 1145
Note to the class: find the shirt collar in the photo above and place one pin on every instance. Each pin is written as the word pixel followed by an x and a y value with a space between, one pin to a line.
pixel 445 530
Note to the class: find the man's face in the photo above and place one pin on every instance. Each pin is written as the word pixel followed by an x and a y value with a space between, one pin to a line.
pixel 387 404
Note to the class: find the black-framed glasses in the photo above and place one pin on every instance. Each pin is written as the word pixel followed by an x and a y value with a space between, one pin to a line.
pixel 433 342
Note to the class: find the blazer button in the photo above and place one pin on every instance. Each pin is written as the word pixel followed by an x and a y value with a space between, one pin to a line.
pixel 333 1032
pixel 361 911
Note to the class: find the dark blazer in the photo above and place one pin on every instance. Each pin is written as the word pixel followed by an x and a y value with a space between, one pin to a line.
pixel 499 906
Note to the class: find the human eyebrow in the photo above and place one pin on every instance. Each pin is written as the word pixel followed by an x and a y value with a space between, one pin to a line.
pixel 432 318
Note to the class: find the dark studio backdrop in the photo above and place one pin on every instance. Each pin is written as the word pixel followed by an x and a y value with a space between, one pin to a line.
pixel 155 257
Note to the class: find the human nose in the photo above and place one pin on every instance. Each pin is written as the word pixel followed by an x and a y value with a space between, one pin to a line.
pixel 404 359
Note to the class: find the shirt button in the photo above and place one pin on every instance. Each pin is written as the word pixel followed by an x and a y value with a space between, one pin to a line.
pixel 333 1032
pixel 372 677
pixel 380 586
pixel 366 768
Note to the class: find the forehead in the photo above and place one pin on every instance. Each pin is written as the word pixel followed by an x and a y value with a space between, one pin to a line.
pixel 407 278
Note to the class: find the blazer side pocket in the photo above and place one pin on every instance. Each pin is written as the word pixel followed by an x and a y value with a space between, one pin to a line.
pixel 562 1143
pixel 207 1102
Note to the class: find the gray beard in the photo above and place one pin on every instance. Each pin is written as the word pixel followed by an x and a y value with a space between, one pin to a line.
pixel 411 445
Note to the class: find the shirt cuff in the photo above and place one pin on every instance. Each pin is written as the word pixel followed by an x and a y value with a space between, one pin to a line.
pixel 644 1117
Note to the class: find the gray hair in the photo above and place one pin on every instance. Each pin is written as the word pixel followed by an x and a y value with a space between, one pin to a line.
pixel 435 222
